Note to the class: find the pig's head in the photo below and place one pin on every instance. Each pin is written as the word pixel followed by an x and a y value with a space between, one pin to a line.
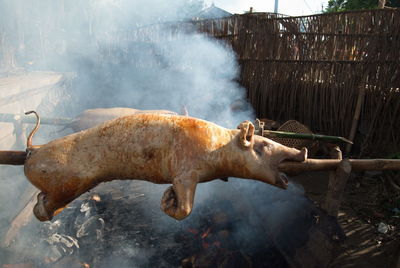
pixel 261 156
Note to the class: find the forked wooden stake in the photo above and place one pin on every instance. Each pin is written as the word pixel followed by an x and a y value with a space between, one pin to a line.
pixel 337 183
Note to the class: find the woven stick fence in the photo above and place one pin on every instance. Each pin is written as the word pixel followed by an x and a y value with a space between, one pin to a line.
pixel 311 68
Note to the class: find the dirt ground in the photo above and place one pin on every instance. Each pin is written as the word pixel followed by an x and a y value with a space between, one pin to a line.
pixel 369 201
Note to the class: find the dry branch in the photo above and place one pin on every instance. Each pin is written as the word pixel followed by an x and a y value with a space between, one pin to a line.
pixel 356 117
pixel 332 164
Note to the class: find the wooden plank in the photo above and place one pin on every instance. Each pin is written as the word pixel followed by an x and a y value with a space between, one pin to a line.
pixel 23 217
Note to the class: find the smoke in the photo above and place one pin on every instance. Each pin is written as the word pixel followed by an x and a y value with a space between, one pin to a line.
pixel 193 71
pixel 121 56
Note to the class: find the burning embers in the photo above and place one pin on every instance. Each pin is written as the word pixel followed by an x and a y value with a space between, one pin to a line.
pixel 215 241
pixel 244 225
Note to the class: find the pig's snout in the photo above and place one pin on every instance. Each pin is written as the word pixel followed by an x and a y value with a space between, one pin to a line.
pixel 282 181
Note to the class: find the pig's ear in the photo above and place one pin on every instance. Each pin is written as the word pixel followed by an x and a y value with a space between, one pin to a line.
pixel 246 135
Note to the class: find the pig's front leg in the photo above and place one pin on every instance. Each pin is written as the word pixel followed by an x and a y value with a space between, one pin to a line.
pixel 177 200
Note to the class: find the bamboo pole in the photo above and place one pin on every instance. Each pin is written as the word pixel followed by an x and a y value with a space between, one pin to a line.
pixel 305 136
pixel 356 117
pixel 259 130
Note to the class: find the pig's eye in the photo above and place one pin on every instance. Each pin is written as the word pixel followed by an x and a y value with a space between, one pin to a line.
pixel 258 148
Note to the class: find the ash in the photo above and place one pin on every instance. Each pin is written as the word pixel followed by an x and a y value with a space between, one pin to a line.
pixel 121 224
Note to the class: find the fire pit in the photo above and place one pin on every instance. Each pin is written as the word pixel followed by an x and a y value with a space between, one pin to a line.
pixel 236 224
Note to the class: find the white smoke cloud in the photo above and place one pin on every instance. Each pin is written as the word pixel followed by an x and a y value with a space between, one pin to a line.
pixel 186 69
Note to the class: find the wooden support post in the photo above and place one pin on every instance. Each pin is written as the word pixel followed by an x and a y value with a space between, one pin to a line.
pixel 334 153
pixel 336 188
pixel 337 183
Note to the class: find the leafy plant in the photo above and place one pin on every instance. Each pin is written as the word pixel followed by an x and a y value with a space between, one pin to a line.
pixel 345 5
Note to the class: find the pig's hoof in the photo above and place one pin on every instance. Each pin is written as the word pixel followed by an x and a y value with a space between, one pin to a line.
pixel 169 202
pixel 40 210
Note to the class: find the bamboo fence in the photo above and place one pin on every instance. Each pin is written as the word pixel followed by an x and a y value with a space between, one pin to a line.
pixel 311 68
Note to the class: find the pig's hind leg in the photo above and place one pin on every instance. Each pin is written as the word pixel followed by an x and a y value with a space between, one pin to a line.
pixel 41 210
pixel 177 200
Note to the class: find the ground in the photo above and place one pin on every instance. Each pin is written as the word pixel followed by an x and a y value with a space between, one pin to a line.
pixel 368 201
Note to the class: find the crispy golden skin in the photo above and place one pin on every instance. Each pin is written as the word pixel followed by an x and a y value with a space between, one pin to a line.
pixel 158 148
